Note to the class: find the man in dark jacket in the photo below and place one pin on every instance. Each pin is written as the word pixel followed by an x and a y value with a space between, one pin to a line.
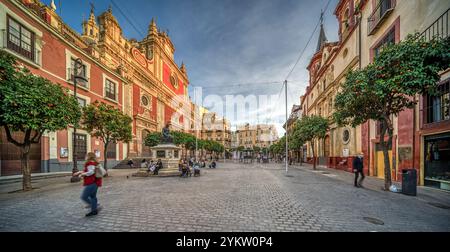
pixel 358 168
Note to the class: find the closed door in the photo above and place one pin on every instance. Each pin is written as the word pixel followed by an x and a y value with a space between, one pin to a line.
pixel 327 147
pixel 380 163
pixel 10 155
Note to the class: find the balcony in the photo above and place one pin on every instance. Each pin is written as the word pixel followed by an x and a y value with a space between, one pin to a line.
pixel 439 28
pixel 380 13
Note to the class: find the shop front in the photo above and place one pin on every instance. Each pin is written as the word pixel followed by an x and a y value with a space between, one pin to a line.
pixel 437 161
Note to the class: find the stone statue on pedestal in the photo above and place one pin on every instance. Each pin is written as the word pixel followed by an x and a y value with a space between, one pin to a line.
pixel 166 137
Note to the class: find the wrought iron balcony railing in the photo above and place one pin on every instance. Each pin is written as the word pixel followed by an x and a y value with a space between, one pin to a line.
pixel 439 28
pixel 379 14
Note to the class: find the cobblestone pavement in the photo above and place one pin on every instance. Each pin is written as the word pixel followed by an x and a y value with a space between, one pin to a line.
pixel 234 197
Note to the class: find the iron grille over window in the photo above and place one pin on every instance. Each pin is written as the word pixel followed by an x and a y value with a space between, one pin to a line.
pixel 438 106
pixel 81 150
pixel 387 40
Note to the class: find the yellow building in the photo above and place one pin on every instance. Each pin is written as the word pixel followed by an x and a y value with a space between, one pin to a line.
pixel 261 136
pixel 217 129
pixel 365 27
pixel 327 70
pixel 426 128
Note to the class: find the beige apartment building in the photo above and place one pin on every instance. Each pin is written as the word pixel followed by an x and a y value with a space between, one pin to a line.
pixel 217 129
pixel 261 135
pixel 422 134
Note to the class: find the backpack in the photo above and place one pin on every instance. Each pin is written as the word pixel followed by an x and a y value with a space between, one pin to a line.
pixel 100 172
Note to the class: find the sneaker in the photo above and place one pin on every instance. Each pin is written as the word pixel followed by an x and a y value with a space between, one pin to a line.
pixel 92 214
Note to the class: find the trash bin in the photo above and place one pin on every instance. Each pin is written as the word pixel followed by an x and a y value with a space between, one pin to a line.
pixel 409 182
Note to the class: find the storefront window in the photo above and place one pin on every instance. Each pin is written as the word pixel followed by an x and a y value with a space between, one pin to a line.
pixel 437 166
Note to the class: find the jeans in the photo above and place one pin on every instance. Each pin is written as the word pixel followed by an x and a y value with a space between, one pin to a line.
pixel 89 196
pixel 359 183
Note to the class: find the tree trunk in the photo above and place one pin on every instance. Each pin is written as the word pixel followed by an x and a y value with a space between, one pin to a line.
pixel 105 162
pixel 385 147
pixel 314 157
pixel 301 157
pixel 105 154
pixel 26 169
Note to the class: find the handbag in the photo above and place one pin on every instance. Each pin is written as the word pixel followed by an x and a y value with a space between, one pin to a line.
pixel 100 172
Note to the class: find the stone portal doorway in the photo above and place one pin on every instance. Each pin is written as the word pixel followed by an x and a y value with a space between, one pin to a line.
pixel 146 152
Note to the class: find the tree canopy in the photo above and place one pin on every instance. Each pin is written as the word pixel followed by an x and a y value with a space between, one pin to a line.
pixel 32 105
pixel 389 85
pixel 107 123
pixel 310 129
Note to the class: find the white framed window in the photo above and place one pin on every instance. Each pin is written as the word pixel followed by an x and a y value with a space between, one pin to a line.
pixel 19 37
pixel 110 89
pixel 83 71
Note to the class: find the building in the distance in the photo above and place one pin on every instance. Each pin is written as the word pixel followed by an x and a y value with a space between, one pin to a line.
pixel 289 126
pixel 216 128
pixel 251 136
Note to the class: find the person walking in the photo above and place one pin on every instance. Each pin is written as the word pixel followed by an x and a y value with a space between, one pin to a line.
pixel 358 169
pixel 91 183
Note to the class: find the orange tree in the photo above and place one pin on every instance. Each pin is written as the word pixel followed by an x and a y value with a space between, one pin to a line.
pixel 389 85
pixel 31 105
pixel 310 129
pixel 107 123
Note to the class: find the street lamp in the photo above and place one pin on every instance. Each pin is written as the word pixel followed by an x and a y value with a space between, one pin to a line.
pixel 76 76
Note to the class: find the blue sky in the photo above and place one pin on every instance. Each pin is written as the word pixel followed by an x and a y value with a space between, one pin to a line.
pixel 228 42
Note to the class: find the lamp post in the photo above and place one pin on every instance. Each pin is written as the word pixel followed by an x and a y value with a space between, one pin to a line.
pixel 287 129
pixel 78 65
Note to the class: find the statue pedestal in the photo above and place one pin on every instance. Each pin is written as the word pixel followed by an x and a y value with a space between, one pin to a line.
pixel 170 156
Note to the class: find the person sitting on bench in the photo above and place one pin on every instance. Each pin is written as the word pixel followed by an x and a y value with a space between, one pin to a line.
pixel 151 166
pixel 197 170
pixel 185 170
pixel 158 167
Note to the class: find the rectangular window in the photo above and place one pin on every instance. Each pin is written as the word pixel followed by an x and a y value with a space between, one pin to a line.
pixel 111 151
pixel 79 71
pixel 20 39
pixel 438 106
pixel 81 102
pixel 110 90
pixel 81 146
pixel 387 40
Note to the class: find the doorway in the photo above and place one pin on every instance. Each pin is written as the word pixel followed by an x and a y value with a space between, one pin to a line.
pixel 146 152
pixel 379 158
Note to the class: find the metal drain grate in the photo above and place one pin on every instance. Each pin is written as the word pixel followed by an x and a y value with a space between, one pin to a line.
pixel 439 205
pixel 374 221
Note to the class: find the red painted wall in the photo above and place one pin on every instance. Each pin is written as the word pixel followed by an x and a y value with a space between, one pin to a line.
pixel 136 104
pixel 166 79
pixel 168 112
